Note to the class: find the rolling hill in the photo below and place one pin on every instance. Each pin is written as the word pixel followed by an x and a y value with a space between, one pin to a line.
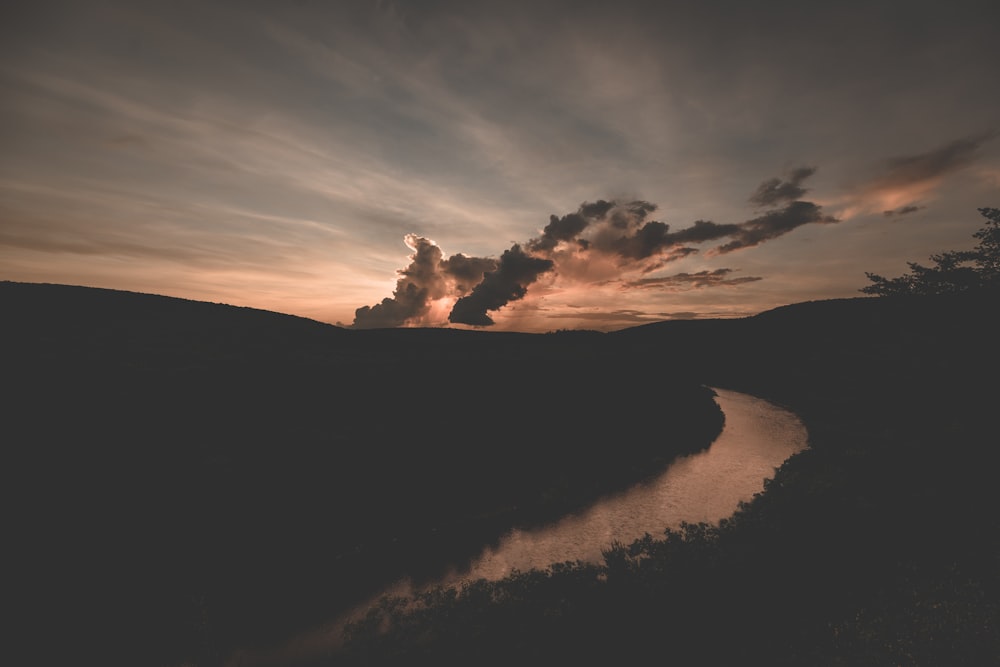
pixel 179 460
pixel 190 477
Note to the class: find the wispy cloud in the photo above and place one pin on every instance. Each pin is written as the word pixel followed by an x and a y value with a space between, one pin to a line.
pixel 698 280
pixel 902 210
pixel 616 318
pixel 901 183
pixel 225 143
pixel 776 191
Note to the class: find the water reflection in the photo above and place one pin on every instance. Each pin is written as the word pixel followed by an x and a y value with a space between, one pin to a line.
pixel 707 486
pixel 757 438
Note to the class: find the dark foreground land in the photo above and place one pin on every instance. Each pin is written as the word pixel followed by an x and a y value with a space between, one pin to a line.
pixel 187 478
pixel 191 478
pixel 880 545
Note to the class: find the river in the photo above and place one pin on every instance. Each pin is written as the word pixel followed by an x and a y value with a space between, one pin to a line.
pixel 757 438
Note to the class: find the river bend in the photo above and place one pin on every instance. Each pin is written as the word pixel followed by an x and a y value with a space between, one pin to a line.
pixel 708 486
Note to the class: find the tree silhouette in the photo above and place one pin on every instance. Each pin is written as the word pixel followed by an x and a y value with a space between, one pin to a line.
pixel 953 271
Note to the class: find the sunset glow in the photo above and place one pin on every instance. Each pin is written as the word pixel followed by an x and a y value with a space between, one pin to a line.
pixel 295 157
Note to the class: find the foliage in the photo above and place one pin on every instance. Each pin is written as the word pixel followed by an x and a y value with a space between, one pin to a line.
pixel 953 271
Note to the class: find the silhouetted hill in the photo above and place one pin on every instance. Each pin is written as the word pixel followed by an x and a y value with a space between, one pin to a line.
pixel 191 477
pixel 889 352
pixel 130 327
pixel 876 546
pixel 181 461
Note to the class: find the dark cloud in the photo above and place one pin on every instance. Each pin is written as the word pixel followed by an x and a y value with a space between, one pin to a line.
pixel 699 279
pixel 630 215
pixel 595 233
pixel 466 271
pixel 612 317
pixel 427 278
pixel 425 269
pixel 655 238
pixel 704 230
pixel 705 314
pixel 417 285
pixel 672 255
pixel 640 209
pixel 597 209
pixel 775 191
pixel 641 240
pixel 774 224
pixel 614 227
pixel 509 282
pixel 649 240
pixel 628 235
pixel 565 228
pixel 408 302
pixel 570 226
pixel 902 210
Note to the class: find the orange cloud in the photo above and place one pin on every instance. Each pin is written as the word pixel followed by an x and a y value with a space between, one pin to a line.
pixel 906 181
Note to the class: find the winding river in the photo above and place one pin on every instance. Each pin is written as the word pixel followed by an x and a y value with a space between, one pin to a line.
pixel 757 438
pixel 707 486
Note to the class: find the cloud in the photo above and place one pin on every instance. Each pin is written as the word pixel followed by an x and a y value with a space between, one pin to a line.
pixel 776 191
pixel 625 316
pixel 773 224
pixel 903 181
pixel 902 210
pixel 466 271
pixel 569 226
pixel 508 282
pixel 704 230
pixel 602 242
pixel 652 238
pixel 426 279
pixel 700 279
pixel 922 167
pixel 414 289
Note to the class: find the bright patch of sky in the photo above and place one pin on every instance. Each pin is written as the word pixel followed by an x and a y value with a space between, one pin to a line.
pixel 278 155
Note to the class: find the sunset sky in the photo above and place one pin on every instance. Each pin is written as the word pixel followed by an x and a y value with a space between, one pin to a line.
pixel 602 164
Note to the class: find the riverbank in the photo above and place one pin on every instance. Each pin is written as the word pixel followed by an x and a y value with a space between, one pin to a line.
pixel 877 546
pixel 195 477
pixel 166 449
pixel 706 486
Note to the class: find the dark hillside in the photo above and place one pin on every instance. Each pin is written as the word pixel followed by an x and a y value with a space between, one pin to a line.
pixel 192 477
pixel 884 353
pixel 62 322
pixel 879 545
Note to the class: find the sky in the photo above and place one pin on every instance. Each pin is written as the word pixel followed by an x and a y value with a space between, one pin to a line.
pixel 528 166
